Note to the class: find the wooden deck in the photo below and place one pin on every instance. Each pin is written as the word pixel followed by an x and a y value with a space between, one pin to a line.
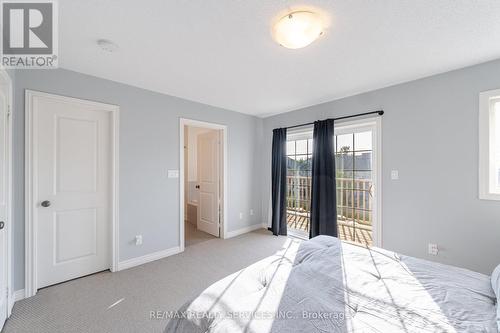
pixel 359 234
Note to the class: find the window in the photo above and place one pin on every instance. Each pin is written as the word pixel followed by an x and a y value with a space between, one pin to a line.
pixel 489 145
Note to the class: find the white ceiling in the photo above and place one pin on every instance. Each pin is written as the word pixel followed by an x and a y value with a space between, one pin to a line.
pixel 220 52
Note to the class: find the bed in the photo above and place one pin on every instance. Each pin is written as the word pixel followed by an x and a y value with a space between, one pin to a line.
pixel 325 285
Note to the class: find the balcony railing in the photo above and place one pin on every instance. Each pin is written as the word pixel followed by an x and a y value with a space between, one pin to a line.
pixel 354 207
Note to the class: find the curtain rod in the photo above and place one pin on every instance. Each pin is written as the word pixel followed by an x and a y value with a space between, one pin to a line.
pixel 379 112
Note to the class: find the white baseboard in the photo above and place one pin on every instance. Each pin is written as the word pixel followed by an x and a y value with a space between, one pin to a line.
pixel 244 230
pixel 17 296
pixel 14 297
pixel 148 258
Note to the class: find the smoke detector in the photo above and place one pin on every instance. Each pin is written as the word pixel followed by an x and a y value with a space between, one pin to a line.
pixel 107 45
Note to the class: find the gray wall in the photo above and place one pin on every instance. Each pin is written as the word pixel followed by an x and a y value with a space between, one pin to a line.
pixel 149 145
pixel 430 134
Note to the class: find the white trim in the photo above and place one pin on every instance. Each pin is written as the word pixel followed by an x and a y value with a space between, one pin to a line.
pixel 300 133
pixel 18 295
pixel 148 258
pixel 245 230
pixel 31 181
pixel 115 223
pixel 190 122
pixel 4 76
pixel 378 239
pixel 297 234
pixel 486 149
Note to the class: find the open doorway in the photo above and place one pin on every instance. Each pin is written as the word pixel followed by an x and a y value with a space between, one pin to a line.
pixel 202 181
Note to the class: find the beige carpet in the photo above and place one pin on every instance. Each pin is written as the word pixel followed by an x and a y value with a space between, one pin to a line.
pixel 195 236
pixel 121 302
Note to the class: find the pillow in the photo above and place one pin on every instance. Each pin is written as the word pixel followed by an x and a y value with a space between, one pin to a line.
pixel 495 283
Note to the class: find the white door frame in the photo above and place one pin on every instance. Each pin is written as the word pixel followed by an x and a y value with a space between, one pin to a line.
pixel 5 80
pixel 31 181
pixel 375 125
pixel 190 122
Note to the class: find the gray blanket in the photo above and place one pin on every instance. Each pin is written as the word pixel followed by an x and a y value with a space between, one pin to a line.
pixel 324 285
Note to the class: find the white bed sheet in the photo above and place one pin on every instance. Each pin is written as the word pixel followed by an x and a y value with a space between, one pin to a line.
pixel 324 285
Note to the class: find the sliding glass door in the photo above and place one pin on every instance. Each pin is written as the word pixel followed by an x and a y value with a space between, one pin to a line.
pixel 356 159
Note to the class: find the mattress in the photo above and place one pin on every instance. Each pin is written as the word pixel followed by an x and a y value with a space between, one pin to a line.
pixel 325 285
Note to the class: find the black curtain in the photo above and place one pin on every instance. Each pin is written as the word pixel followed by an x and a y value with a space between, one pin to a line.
pixel 323 189
pixel 278 226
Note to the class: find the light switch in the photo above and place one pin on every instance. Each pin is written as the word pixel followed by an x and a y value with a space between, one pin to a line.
pixel 394 174
pixel 173 173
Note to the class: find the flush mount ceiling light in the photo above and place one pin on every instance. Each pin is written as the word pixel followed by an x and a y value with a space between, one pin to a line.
pixel 298 29
pixel 107 45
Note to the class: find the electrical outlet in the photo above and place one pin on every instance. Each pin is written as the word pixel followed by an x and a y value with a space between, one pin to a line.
pixel 241 216
pixel 433 249
pixel 251 211
pixel 138 240
pixel 394 174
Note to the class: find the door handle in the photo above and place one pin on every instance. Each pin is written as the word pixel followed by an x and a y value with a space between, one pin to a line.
pixel 197 186
pixel 2 225
pixel 45 203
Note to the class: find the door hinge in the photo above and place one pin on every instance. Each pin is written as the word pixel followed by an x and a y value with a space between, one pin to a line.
pixel 8 110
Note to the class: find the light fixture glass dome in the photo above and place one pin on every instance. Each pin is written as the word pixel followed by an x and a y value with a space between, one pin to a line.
pixel 298 29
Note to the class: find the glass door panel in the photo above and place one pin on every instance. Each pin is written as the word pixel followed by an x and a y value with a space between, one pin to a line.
pixel 299 159
pixel 354 173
